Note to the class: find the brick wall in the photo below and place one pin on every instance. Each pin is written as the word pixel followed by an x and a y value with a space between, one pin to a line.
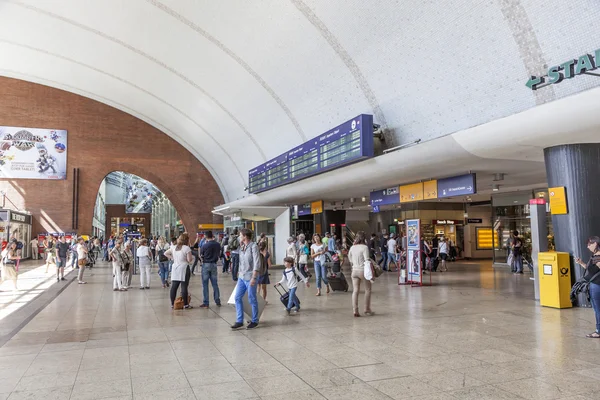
pixel 101 139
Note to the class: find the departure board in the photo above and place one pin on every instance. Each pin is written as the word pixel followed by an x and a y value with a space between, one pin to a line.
pixel 347 143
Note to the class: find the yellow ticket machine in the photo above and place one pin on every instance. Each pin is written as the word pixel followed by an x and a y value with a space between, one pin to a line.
pixel 554 271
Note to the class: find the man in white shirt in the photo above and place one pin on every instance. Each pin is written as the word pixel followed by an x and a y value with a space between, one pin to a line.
pixel 392 255
pixel 34 249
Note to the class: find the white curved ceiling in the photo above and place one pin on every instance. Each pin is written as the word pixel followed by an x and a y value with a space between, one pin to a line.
pixel 239 82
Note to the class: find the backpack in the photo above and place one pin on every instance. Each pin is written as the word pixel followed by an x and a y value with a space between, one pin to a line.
pixel 234 243
pixel 161 256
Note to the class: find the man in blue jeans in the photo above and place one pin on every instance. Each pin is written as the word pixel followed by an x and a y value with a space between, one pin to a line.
pixel 210 252
pixel 248 273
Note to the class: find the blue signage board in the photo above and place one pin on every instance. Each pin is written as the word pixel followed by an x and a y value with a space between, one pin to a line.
pixel 304 209
pixel 385 196
pixel 375 209
pixel 457 186
pixel 345 144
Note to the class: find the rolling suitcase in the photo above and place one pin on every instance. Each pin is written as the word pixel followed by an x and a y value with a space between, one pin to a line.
pixel 285 297
pixel 338 282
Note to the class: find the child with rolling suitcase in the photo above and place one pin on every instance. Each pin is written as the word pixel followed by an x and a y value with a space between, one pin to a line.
pixel 291 278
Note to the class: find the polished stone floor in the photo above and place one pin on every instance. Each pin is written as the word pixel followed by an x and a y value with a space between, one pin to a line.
pixel 475 334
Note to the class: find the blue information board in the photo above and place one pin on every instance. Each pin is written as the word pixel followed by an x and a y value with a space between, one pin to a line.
pixel 457 186
pixel 345 144
pixel 385 196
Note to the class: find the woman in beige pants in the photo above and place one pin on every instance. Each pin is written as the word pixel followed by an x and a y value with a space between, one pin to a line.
pixel 358 254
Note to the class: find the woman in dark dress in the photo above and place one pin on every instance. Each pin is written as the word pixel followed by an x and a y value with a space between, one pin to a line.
pixel 264 280
pixel 592 275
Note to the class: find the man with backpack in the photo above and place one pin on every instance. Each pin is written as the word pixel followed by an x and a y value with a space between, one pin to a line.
pixel 234 248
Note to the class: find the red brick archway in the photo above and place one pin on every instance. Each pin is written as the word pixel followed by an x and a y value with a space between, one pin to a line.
pixel 101 139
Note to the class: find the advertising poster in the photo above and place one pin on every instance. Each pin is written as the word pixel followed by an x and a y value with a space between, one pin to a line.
pixel 139 195
pixel 30 153
pixel 413 256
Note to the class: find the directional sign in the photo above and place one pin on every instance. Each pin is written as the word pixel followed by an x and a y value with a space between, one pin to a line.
pixel 457 186
pixel 385 196
pixel 567 70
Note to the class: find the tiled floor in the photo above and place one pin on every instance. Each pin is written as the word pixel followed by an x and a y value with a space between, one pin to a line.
pixel 474 335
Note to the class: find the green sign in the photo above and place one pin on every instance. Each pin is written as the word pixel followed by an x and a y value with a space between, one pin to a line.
pixel 566 70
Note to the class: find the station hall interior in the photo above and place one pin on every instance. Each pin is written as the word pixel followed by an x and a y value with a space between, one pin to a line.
pixel 455 145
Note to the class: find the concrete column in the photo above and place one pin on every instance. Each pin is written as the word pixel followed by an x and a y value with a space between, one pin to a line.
pixel 576 167
pixel 539 238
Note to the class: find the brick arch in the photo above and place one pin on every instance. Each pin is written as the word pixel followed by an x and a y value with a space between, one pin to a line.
pixel 101 139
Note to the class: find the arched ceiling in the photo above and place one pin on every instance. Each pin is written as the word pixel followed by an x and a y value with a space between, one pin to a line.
pixel 239 82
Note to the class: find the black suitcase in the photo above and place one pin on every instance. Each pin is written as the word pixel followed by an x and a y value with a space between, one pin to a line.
pixel 338 282
pixel 285 297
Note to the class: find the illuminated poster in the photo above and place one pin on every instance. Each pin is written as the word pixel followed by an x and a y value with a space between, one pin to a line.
pixel 413 257
pixel 30 153
pixel 139 195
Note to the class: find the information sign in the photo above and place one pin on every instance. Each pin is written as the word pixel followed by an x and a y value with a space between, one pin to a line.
pixel 385 196
pixel 410 193
pixel 457 186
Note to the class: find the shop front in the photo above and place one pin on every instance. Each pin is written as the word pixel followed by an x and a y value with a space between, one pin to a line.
pixel 16 225
pixel 511 212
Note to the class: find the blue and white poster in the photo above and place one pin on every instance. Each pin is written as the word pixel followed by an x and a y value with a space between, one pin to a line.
pixel 413 244
pixel 31 153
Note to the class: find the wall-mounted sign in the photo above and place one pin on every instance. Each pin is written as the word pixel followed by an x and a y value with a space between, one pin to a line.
pixel 409 193
pixel 210 226
pixel 474 220
pixel 30 153
pixel 18 217
pixel 316 207
pixel 446 222
pixel 304 209
pixel 345 144
pixel 558 200
pixel 375 209
pixel 457 186
pixel 430 190
pixel 385 196
pixel 567 70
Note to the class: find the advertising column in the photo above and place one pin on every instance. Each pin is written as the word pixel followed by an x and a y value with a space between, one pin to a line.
pixel 414 269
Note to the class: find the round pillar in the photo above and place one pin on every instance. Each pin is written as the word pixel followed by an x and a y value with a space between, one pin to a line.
pixel 577 168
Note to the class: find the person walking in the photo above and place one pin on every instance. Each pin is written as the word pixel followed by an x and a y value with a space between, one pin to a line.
pixel 517 249
pixel 292 250
pixel 592 275
pixel 82 253
pixel 263 280
pixel 196 253
pixel 181 254
pixel 247 277
pixel 144 256
pixel 392 246
pixel 62 254
pixel 118 265
pixel 224 257
pixel 234 248
pixel 331 245
pixel 444 251
pixel 163 261
pixel 34 248
pixel 210 256
pixel 290 278
pixel 373 246
pixel 50 252
pixel 384 252
pixel 127 270
pixel 10 258
pixel 317 253
pixel 303 253
pixel 358 255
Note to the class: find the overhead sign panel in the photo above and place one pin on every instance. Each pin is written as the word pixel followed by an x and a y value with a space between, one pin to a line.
pixel 409 193
pixel 385 196
pixel 456 186
pixel 430 190
pixel 316 207
pixel 345 144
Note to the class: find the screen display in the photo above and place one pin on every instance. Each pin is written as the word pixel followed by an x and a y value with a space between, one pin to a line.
pixel 347 143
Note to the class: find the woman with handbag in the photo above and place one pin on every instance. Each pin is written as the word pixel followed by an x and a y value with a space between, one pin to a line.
pixel 358 255
pixel 163 261
pixel 592 275
pixel 117 264
pixel 302 254
pixel 182 257
pixel 10 258
pixel 127 271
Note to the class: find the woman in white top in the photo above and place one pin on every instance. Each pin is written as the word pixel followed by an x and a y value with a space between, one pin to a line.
pixel 144 256
pixel 117 264
pixel 181 255
pixel 443 249
pixel 10 257
pixel 82 253
pixel 358 254
pixel 317 253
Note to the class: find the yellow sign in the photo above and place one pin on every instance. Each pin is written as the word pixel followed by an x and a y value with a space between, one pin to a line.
pixel 210 226
pixel 316 207
pixel 430 190
pixel 412 192
pixel 558 200
pixel 485 239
